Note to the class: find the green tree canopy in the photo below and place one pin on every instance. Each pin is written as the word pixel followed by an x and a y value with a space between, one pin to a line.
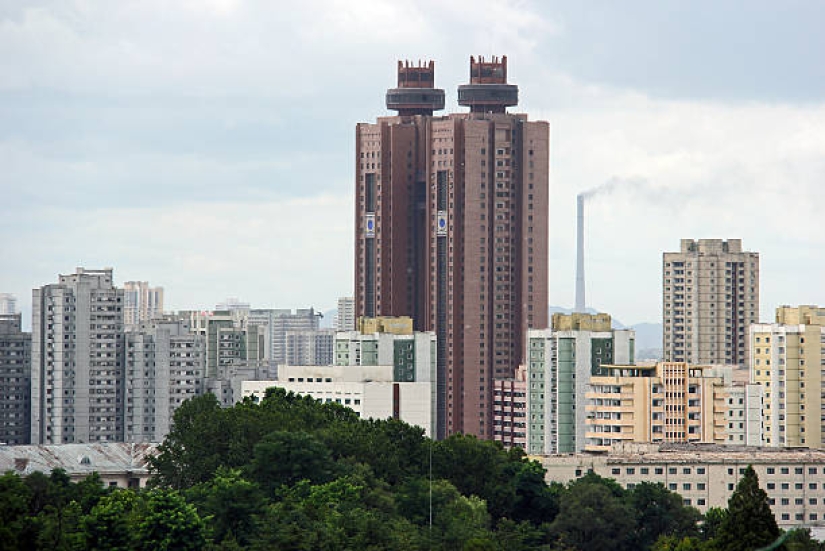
pixel 749 523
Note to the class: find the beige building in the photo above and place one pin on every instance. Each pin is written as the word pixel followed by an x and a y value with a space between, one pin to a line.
pixel 669 402
pixel 710 296
pixel 787 361
pixel 705 475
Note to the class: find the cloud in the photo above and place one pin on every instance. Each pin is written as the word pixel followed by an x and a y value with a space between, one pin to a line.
pixel 277 253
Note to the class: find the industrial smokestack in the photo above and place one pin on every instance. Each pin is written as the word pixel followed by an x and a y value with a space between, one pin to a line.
pixel 580 303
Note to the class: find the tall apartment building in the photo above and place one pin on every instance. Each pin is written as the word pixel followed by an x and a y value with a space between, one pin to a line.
pixel 345 316
pixel 278 323
pixel 710 297
pixel 77 359
pixel 15 381
pixel 788 361
pixel 451 229
pixel 560 364
pixel 310 347
pixel 141 303
pixel 8 303
pixel 165 365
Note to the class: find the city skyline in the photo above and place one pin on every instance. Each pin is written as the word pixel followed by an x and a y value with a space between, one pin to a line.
pixel 180 146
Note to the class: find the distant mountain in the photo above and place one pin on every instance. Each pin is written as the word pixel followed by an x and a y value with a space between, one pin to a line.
pixel 648 335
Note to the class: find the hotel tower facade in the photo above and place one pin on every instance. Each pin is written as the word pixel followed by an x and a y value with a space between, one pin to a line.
pixel 451 229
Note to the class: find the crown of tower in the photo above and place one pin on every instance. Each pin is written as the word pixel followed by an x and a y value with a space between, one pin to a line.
pixel 416 93
pixel 488 91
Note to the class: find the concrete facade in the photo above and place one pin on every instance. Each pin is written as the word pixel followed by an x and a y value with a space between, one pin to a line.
pixel 141 303
pixel 279 322
pixel 77 360
pixel 165 365
pixel 706 475
pixel 787 362
pixel 559 364
pixel 371 391
pixel 15 381
pixel 451 230
pixel 310 347
pixel 710 297
pixel 345 316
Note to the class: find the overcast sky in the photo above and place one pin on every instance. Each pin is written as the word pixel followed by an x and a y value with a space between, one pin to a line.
pixel 208 146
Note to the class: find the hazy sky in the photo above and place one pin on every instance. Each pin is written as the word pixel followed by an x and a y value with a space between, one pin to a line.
pixel 208 146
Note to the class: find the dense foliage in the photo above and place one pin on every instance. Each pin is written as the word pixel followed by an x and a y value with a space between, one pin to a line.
pixel 292 473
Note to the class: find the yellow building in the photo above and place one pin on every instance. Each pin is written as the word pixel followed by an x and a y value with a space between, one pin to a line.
pixel 401 325
pixel 786 361
pixel 668 402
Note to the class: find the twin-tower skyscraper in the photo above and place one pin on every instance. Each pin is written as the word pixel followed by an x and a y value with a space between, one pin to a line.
pixel 451 229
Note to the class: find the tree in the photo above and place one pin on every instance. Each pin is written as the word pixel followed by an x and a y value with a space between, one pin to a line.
pixel 750 523
pixel 592 517
pixel 661 512
pixel 14 505
pixel 168 523
pixel 108 526
pixel 195 446
pixel 713 519
pixel 284 458
pixel 232 504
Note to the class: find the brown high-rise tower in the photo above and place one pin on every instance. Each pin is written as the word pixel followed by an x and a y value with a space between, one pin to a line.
pixel 451 229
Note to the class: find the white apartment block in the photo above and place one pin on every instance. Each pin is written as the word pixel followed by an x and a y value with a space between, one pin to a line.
pixel 710 297
pixel 345 318
pixel 310 347
pixel 370 391
pixel 77 360
pixel 280 322
pixel 165 366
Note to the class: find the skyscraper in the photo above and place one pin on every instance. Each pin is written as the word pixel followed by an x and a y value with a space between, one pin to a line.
pixel 451 230
pixel 15 381
pixel 77 360
pixel 710 297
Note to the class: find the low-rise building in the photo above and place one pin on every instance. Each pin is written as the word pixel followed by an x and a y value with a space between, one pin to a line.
pixel 119 465
pixel 705 475
pixel 371 391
